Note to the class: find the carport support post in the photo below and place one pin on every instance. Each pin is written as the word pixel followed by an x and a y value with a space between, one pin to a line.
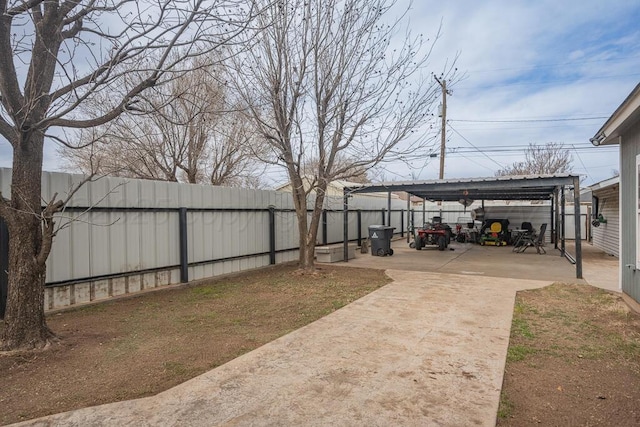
pixel 345 227
pixel 359 221
pixel 389 208
pixel 563 218
pixel 577 221
pixel 184 259
pixel 383 216
pixel 408 214
pixel 424 210
pixel 556 202
pixel 551 236
pixel 401 222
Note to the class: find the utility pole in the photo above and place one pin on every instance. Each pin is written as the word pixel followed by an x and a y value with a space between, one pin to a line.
pixel 443 135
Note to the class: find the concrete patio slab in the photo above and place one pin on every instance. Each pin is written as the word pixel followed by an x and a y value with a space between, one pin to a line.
pixel 474 260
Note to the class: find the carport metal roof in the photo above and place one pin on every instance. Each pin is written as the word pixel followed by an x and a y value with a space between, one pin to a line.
pixel 525 187
pixel 522 187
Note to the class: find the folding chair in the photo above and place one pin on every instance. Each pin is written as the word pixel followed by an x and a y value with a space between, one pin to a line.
pixel 534 240
pixel 526 229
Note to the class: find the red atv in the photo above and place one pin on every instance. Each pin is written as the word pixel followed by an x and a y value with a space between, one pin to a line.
pixel 432 234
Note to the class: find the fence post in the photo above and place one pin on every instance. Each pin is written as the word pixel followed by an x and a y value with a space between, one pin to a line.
pixel 359 216
pixel 4 266
pixel 413 219
pixel 272 235
pixel 324 226
pixel 345 227
pixel 184 259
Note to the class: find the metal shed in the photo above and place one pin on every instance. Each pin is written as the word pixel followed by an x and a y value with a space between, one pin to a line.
pixel 529 187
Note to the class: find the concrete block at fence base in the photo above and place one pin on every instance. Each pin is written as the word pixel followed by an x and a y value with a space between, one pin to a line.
pixel 82 293
pixel 334 253
pixel 100 290
pixel 118 286
pixel 48 298
pixel 163 278
pixel 134 284
pixel 148 281
pixel 61 297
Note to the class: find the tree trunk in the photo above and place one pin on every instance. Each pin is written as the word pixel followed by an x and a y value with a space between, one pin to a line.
pixel 25 325
pixel 308 229
pixel 301 213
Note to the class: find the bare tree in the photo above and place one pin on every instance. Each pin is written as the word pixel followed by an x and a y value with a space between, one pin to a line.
pixel 56 56
pixel 541 159
pixel 331 79
pixel 183 130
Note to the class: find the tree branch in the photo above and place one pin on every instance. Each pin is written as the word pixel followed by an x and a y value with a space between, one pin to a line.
pixel 7 131
pixel 11 95
pixel 23 7
pixel 54 206
pixel 109 116
pixel 73 31
pixel 5 209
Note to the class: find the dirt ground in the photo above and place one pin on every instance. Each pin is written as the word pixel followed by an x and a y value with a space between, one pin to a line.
pixel 143 345
pixel 573 360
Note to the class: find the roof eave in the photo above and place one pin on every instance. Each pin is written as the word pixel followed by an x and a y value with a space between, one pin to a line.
pixel 626 113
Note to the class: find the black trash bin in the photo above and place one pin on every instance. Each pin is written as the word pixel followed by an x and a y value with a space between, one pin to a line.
pixel 380 238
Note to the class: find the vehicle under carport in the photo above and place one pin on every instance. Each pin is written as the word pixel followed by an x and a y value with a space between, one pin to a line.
pixel 551 188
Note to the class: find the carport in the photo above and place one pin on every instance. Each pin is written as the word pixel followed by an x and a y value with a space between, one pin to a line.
pixel 538 187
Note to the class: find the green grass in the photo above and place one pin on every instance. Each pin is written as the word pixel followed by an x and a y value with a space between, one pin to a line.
pixel 521 327
pixel 506 407
pixel 516 353
pixel 176 368
pixel 207 292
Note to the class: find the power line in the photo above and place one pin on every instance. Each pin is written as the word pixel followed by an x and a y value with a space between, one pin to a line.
pixel 581 162
pixel 568 119
pixel 513 149
pixel 470 143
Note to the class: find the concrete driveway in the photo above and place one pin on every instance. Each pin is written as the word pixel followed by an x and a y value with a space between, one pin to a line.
pixel 426 350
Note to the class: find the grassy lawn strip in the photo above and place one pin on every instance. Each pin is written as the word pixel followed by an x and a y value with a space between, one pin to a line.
pixel 143 345
pixel 573 359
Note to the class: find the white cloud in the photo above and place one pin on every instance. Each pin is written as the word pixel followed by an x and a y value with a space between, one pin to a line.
pixel 525 60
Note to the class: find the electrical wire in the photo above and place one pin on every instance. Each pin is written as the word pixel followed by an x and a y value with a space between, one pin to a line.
pixel 582 163
pixel 515 149
pixel 470 143
pixel 568 119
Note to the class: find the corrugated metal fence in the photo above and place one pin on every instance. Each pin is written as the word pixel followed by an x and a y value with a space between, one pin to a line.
pixel 121 236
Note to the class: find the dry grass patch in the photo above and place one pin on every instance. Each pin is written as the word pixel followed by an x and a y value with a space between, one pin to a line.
pixel 573 359
pixel 143 345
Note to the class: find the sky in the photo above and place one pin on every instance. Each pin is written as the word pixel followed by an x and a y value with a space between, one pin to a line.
pixel 535 72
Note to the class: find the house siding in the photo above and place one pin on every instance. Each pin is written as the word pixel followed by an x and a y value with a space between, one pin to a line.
pixel 606 236
pixel 629 149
